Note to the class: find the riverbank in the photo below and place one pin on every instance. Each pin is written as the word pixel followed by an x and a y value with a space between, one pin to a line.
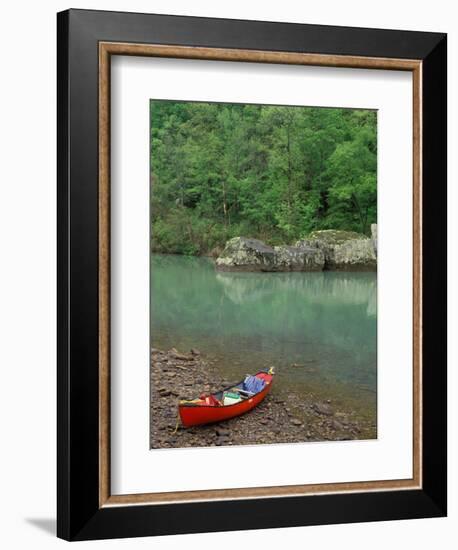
pixel 325 250
pixel 280 418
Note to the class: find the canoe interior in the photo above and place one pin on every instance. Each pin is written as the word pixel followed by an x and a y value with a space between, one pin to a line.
pixel 197 414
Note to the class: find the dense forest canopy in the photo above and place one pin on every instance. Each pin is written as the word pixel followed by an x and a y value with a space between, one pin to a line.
pixel 271 172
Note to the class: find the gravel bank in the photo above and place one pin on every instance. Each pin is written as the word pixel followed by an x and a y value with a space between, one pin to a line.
pixel 280 418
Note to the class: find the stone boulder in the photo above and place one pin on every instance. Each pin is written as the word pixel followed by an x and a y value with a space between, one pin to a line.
pixel 298 258
pixel 343 250
pixel 374 237
pixel 242 254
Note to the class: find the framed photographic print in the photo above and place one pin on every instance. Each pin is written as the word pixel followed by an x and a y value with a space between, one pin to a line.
pixel 252 274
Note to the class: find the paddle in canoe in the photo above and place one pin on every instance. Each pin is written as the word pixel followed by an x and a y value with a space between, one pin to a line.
pixel 228 403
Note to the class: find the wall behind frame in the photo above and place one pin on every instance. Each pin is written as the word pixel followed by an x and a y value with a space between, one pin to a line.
pixel 27 277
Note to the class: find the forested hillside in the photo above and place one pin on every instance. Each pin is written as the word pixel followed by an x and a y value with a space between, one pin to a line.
pixel 274 173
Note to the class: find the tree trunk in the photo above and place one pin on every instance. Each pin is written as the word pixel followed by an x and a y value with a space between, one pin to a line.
pixel 360 214
pixel 224 203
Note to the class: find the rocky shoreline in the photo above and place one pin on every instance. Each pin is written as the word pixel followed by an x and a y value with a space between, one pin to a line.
pixel 280 418
pixel 321 251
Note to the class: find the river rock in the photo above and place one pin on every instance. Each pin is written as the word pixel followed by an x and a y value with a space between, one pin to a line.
pixel 343 250
pixel 323 408
pixel 243 254
pixel 336 425
pixel 180 356
pixel 374 237
pixel 298 258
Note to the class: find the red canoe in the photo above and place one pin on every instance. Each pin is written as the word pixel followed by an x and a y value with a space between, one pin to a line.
pixel 212 408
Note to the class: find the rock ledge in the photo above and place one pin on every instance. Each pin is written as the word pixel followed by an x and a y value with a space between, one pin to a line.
pixel 321 250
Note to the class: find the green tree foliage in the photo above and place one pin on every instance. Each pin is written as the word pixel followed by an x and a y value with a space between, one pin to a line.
pixel 270 172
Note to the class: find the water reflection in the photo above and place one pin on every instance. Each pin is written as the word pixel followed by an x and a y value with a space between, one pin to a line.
pixel 251 320
pixel 350 288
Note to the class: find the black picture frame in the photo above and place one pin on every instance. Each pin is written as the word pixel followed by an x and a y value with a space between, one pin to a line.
pixel 79 515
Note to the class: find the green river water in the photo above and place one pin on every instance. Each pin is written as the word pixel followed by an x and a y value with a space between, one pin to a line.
pixel 317 329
